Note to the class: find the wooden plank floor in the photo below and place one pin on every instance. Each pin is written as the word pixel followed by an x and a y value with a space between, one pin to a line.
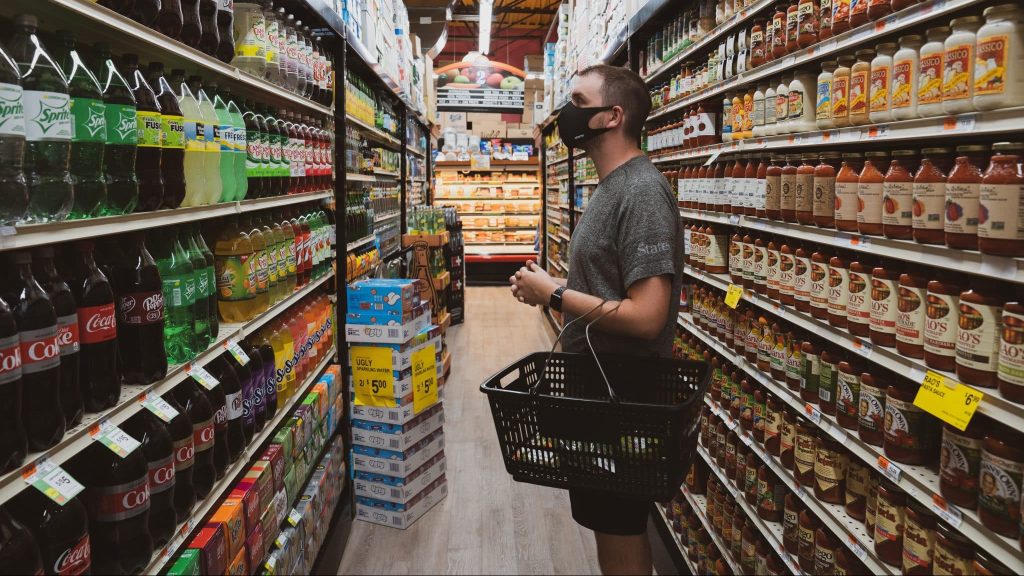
pixel 488 524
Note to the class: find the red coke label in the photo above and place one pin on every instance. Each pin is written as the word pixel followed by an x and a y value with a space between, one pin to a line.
pixel 140 308
pixel 97 323
pixel 203 435
pixel 161 475
pixel 184 454
pixel 10 359
pixel 121 502
pixel 75 560
pixel 68 334
pixel 40 350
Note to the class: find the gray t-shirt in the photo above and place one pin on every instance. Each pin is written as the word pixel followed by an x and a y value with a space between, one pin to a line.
pixel 630 231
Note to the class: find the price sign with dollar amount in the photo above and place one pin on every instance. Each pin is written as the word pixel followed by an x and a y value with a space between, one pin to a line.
pixel 373 376
pixel 424 378
pixel 948 400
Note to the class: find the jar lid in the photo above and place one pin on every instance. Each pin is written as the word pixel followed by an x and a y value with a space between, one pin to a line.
pixel 877 154
pixel 810 156
pixel 829 64
pixel 943 30
pixel 887 47
pixel 1001 8
pixel 936 151
pixel 903 153
pixel 1008 146
pixel 972 148
pixel 864 54
pixel 911 38
pixel 831 155
pixel 854 155
pixel 846 60
pixel 965 21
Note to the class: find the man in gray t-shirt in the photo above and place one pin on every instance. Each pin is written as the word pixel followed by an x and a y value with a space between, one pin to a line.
pixel 627 253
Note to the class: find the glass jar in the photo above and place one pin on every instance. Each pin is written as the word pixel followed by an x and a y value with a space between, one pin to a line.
pixel 787 195
pixel 802 94
pixel 958 63
pixel 770 495
pixel 773 422
pixel 869 194
pixel 1011 353
pixel 757 116
pixel 880 81
pixel 858 13
pixel 760 261
pixel 858 307
pixel 942 323
pixel 805 189
pixel 911 434
pixel 858 480
pixel 794 361
pixel 929 90
pixel 819 284
pixel 889 523
pixel 771 124
pixel 1002 463
pixel 794 507
pixel 977 346
pixel 1001 189
pixel 792 28
pixel 807 23
pixel 999 83
pixel 802 280
pixel 838 291
pixel 787 264
pixel 840 16
pixel 757 45
pixel 879 9
pixel 830 465
pixel 930 195
pixel 918 539
pixel 809 373
pixel 824 189
pixel 884 301
pixel 905 65
pixel 825 20
pixel 760 192
pixel 772 287
pixel 871 409
pixel 748 544
pixel 823 108
pixel 985 564
pixel 828 374
pixel 808 525
pixel 847 394
pixel 841 91
pixel 860 86
pixel 960 463
pixel 963 189
pixel 803 453
pixel 787 439
pixel 779 30
pixel 953 552
pixel 897 196
pixel 773 188
pixel 910 313
pixel 825 546
pixel 782 105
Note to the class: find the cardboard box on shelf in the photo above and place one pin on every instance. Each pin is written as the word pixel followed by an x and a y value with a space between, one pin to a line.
pixel 533 85
pixel 396 489
pixel 533 63
pixel 452 120
pixel 401 515
pixel 524 130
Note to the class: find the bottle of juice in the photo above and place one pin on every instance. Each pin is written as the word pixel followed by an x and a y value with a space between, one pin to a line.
pixel 273 288
pixel 211 127
pixel 259 249
pixel 236 272
pixel 195 142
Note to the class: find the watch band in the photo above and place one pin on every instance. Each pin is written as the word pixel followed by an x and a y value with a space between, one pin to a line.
pixel 556 299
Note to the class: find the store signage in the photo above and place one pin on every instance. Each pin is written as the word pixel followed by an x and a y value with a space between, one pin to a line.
pixel 373 376
pixel 948 400
pixel 424 378
pixel 477 84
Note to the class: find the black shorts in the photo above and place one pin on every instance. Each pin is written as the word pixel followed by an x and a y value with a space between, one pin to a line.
pixel 609 514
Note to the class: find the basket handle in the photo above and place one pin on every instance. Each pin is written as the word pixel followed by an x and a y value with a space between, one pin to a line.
pixel 544 369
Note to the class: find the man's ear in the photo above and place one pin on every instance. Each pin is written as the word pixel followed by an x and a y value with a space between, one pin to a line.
pixel 618 116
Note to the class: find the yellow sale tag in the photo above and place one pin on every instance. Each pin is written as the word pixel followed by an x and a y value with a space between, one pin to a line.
pixel 424 378
pixel 733 295
pixel 947 400
pixel 373 376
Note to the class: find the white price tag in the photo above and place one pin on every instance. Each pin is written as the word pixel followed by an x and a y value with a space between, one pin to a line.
pixel 734 219
pixel 201 375
pixel 948 512
pixel 232 346
pixel 157 405
pixel 857 549
pixel 801 492
pixel 52 480
pixel 113 437
pixel 294 517
pixel 890 470
pixel 861 347
pixel 745 437
pixel 812 413
pixel 729 422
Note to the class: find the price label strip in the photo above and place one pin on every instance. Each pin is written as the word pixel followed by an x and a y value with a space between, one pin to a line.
pixel 158 406
pixel 232 346
pixel 373 376
pixel 951 514
pixel 112 437
pixel 201 375
pixel 733 295
pixel 424 379
pixel 52 480
pixel 948 400
pixel 890 470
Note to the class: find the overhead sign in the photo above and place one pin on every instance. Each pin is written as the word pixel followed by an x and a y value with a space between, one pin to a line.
pixel 477 84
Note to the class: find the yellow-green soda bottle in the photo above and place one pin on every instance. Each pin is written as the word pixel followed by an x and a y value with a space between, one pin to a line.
pixel 234 262
pixel 259 248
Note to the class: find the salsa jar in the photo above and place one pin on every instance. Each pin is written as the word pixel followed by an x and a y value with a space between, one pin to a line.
pixel 830 465
pixel 823 205
pixel 1011 353
pixel 884 301
pixel 911 434
pixel 808 525
pixel 847 183
pixel 918 539
pixel 953 552
pixel 869 194
pixel 898 196
pixel 825 546
pixel 930 195
pixel 803 452
pixel 819 284
pixel 1002 466
pixel 978 334
pixel 858 307
pixel 871 409
pixel 963 190
pixel 760 190
pixel 858 481
pixel 1000 195
pixel 890 521
pixel 847 395
pixel 942 318
pixel 910 315
pixel 793 507
pixel 960 463
pixel 838 291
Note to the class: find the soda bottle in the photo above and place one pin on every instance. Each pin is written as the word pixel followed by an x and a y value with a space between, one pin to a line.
pixel 236 272
pixel 296 324
pixel 259 248
pixel 100 375
pixel 255 411
pixel 48 127
pixel 273 287
pixel 279 257
pixel 306 51
pixel 289 248
pixel 273 70
pixel 218 401
pixel 36 319
pixel 234 403
pixel 303 254
pixel 211 124
pixel 13 186
pixel 296 80
pixel 250 32
pixel 178 284
pixel 245 378
pixel 240 146
pixel 201 415
pixel 170 19
pixel 158 449
pixel 225 32
pixel 195 157
pixel 140 315
pixel 284 358
pixel 172 137
pixel 144 11
pixel 18 551
pixel 116 498
pixel 288 150
pixel 150 137
pixel 61 532
pixel 180 430
pixel 254 169
pixel 210 38
pixel 278 162
pixel 269 376
pixel 192 26
pixel 201 301
pixel 224 135
pixel 68 334
pixel 211 279
pixel 122 137
pixel 13 442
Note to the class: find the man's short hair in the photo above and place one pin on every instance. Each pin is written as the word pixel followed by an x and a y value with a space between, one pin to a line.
pixel 623 87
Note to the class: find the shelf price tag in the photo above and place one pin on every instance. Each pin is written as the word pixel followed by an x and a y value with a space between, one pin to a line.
pixel 861 347
pixel 203 376
pixel 52 480
pixel 890 470
pixel 733 295
pixel 373 375
pixel 951 514
pixel 857 549
pixel 232 346
pixel 112 437
pixel 294 517
pixel 424 379
pixel 158 406
pixel 812 413
pixel 948 400
pixel 961 123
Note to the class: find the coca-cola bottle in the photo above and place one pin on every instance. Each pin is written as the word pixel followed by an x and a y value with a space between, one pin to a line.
pixel 116 498
pixel 192 27
pixel 145 11
pixel 100 379
pixel 170 19
pixel 210 38
pixel 218 401
pixel 180 429
pixel 140 315
pixel 61 531
pixel 245 381
pixel 234 401
pixel 225 23
pixel 158 448
pixel 201 414
pixel 13 442
pixel 172 144
pixel 68 333
pixel 255 408
pixel 18 551
pixel 40 356
pixel 147 161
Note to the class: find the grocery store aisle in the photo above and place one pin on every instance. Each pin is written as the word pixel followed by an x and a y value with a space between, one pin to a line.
pixel 488 524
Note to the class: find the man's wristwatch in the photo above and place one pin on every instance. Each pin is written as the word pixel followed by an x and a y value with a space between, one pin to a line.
pixel 556 299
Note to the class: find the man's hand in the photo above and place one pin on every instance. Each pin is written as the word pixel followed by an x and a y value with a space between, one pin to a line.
pixel 532 285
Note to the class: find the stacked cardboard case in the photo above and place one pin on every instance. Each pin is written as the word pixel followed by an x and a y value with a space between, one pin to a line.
pixel 398 458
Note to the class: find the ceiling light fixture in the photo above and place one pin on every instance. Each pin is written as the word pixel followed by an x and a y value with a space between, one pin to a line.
pixel 486 13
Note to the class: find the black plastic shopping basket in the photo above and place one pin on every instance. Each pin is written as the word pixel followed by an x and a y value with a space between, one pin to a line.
pixel 625 425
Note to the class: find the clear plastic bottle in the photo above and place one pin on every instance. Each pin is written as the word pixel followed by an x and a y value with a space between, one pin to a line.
pixel 296 79
pixel 958 65
pixel 211 126
pixel 273 68
pixel 195 142
pixel 906 63
pixel 250 31
pixel 240 145
pixel 224 134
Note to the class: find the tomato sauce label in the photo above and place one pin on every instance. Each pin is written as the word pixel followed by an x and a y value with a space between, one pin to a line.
pixel 68 334
pixel 959 460
pixel 956 76
pixel 829 469
pixel 10 359
pixel 961 215
pixel 1000 487
pixel 97 323
pixel 40 349
pixel 847 393
pixel 883 305
pixel 802 279
pixel 859 92
pixel 120 502
pixel 990 65
pixel 1011 349
pixel 819 285
pixel 889 522
pixel 905 425
pixel 1000 213
pixel 929 204
pixel 910 315
pixel 930 80
pixel 897 198
pixel 918 544
pixel 840 96
pixel 940 326
pixel 902 84
pixel 870 411
pixel 977 344
pixel 838 290
pixel 869 202
pixel 880 78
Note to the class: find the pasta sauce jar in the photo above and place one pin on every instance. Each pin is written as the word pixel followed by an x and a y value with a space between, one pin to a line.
pixel 858 307
pixel 960 462
pixel 830 465
pixel 847 183
pixel 824 185
pixel 942 317
pixel 890 521
pixel 869 194
pixel 910 315
pixel 858 479
pixel 1000 220
pixel 1011 353
pixel 963 190
pixel 898 195
pixel 1002 467
pixel 884 295
pixel 871 409
pixel 930 195
pixel 977 346
pixel 910 433
pixel 918 539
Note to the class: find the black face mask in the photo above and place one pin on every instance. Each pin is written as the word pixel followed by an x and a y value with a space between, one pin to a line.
pixel 573 124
